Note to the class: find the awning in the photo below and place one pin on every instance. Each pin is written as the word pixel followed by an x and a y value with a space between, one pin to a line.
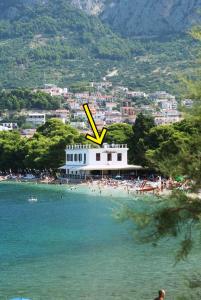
pixel 101 167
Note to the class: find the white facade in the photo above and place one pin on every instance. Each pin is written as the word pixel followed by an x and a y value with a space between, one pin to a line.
pixel 4 128
pixel 82 159
pixel 36 118
pixel 9 126
pixel 167 117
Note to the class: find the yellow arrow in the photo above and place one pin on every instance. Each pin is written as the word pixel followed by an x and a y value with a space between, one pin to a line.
pixel 99 137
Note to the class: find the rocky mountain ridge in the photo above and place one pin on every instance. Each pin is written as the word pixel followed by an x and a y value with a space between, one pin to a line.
pixel 145 17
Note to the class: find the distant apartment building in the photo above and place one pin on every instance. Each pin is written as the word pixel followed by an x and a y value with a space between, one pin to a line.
pixel 113 117
pixel 167 104
pixel 53 90
pixel 161 95
pixel 10 126
pixel 110 106
pixel 136 94
pixel 61 114
pixel 167 117
pixel 36 118
pixel 127 111
pixel 79 125
pixel 28 133
pixel 79 114
pixel 99 116
pixel 4 128
pixel 73 104
pixel 101 85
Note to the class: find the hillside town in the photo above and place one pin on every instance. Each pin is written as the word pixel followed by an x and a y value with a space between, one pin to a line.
pixel 109 104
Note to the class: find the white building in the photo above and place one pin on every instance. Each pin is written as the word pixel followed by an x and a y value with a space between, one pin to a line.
pixel 61 114
pixel 36 118
pixel 167 117
pixel 167 104
pixel 188 103
pixel 54 90
pixel 84 160
pixel 4 128
pixel 161 95
pixel 10 126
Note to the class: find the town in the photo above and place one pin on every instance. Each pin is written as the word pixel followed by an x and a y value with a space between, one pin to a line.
pixel 109 104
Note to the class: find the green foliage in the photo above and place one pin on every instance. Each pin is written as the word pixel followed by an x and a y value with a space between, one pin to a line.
pixel 139 139
pixel 119 133
pixel 45 150
pixel 172 150
pixel 18 99
pixel 175 149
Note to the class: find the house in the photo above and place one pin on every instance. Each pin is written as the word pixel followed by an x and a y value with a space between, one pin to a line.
pixel 86 160
pixel 136 94
pixel 161 95
pixel 110 106
pixel 61 114
pixel 79 125
pixel 167 104
pixel 167 117
pixel 113 117
pixel 4 128
pixel 28 133
pixel 36 118
pixel 53 90
pixel 10 126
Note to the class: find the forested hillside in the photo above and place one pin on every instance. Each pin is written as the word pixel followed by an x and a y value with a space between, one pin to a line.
pixel 52 41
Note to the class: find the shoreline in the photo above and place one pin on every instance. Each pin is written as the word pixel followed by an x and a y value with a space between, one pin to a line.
pixel 101 187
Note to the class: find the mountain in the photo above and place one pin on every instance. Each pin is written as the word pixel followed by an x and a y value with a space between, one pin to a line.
pixel 52 34
pixel 56 41
pixel 145 17
pixel 92 7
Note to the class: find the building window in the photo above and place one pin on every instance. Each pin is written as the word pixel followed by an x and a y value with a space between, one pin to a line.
pixel 71 157
pixel 85 158
pixel 75 157
pixel 68 157
pixel 119 156
pixel 98 157
pixel 80 157
pixel 109 157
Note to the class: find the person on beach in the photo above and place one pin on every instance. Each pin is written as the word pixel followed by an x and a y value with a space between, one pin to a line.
pixel 161 295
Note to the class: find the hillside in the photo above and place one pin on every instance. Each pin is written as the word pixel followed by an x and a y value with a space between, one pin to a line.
pixel 50 34
pixel 145 17
pixel 52 41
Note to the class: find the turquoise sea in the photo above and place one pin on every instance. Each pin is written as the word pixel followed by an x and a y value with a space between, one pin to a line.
pixel 68 246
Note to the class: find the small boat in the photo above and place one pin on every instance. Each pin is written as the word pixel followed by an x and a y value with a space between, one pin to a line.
pixel 32 199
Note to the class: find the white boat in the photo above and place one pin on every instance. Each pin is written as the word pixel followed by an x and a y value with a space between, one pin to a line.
pixel 32 199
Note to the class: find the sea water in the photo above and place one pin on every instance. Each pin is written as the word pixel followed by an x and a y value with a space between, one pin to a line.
pixel 69 246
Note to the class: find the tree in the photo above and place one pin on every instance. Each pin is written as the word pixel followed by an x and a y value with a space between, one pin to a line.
pixel 139 140
pixel 45 150
pixel 119 133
